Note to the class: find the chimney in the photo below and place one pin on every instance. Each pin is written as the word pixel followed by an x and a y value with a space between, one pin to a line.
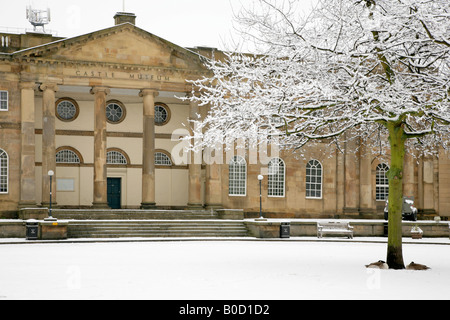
pixel 122 17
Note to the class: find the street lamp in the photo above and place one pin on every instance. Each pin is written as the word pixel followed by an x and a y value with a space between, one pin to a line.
pixel 260 178
pixel 50 174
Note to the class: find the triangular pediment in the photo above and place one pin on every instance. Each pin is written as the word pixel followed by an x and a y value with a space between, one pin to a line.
pixel 124 44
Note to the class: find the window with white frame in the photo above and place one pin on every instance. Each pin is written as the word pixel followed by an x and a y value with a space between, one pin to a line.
pixel 276 178
pixel 381 182
pixel 3 171
pixel 237 180
pixel 314 179
pixel 3 100
pixel 115 157
pixel 67 156
pixel 162 159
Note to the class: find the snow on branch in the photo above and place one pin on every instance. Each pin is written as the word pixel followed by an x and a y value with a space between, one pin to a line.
pixel 347 66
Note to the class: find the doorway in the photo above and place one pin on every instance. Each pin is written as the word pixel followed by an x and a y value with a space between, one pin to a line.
pixel 114 192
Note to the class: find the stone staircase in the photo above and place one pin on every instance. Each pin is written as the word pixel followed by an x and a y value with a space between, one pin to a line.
pixel 100 214
pixel 156 228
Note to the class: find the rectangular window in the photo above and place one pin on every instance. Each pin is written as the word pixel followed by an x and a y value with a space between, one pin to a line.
pixel 3 100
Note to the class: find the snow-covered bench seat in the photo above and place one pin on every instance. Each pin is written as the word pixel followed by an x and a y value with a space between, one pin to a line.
pixel 343 228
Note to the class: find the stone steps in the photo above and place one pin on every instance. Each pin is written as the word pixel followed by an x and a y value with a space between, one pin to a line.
pixel 155 228
pixel 92 214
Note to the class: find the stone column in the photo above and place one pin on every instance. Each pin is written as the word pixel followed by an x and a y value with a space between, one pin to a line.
pixel 365 186
pixel 27 170
pixel 100 174
pixel 195 167
pixel 214 198
pixel 351 176
pixel 213 194
pixel 340 182
pixel 148 149
pixel 428 182
pixel 409 176
pixel 48 142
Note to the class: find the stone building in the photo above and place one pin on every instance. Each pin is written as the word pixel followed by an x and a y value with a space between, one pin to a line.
pixel 103 111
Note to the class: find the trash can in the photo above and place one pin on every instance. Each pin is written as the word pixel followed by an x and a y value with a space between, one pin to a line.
pixel 285 230
pixel 32 229
pixel 385 229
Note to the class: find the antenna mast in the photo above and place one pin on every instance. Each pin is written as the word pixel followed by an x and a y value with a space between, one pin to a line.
pixel 38 18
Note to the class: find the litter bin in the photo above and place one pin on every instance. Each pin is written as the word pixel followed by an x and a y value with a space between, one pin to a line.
pixel 285 230
pixel 32 230
pixel 385 229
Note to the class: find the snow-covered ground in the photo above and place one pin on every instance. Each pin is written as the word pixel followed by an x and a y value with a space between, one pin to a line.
pixel 237 270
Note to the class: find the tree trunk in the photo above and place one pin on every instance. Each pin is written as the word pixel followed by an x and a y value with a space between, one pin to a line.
pixel 395 176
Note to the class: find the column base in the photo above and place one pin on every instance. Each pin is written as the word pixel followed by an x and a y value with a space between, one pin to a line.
pixel 213 206
pixel 148 205
pixel 47 205
pixel 195 206
pixel 33 213
pixel 27 204
pixel 100 205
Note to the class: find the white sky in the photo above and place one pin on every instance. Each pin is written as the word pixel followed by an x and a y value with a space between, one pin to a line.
pixel 187 23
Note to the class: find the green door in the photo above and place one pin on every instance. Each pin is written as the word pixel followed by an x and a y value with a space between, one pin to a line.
pixel 114 190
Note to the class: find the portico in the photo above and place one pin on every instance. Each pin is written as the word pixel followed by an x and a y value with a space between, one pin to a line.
pixel 103 136
pixel 133 82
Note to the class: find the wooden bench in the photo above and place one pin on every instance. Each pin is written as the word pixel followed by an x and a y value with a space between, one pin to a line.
pixel 343 228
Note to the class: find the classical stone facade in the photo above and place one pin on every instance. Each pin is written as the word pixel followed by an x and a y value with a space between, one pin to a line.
pixel 102 111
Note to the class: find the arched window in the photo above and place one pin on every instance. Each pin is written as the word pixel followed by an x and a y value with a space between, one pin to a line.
pixel 162 159
pixel 237 181
pixel 276 178
pixel 314 179
pixel 116 157
pixel 67 156
pixel 3 171
pixel 381 182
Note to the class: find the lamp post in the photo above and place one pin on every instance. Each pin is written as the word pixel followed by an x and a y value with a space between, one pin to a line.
pixel 50 174
pixel 260 178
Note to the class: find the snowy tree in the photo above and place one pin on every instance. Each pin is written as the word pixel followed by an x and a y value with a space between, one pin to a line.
pixel 373 70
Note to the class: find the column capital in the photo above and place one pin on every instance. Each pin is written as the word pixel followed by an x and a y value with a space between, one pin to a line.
pixel 95 90
pixel 191 94
pixel 49 86
pixel 146 92
pixel 28 85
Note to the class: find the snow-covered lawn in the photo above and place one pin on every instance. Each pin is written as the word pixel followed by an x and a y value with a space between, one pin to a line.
pixel 219 270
